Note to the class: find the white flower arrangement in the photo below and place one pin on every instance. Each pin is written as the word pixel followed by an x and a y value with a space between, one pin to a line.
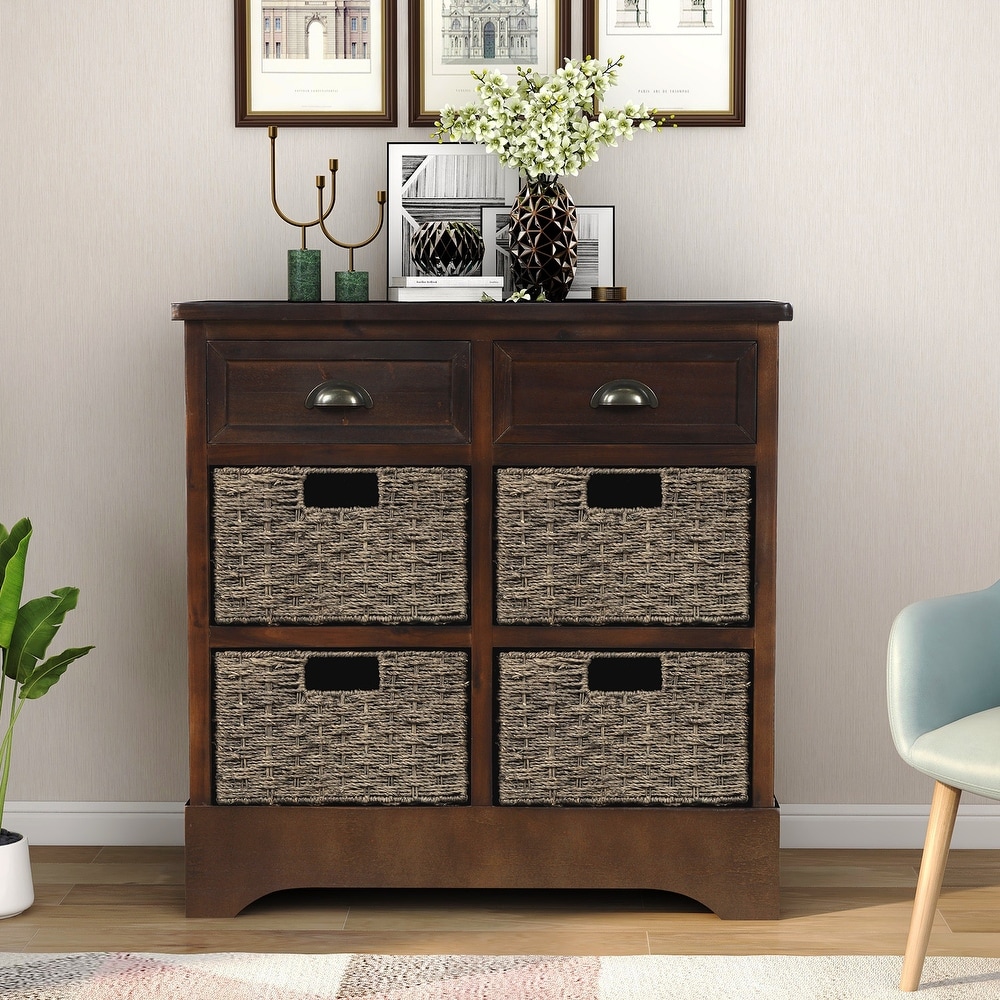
pixel 545 126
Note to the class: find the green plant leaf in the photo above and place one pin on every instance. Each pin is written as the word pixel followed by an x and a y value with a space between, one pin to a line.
pixel 13 553
pixel 44 675
pixel 37 622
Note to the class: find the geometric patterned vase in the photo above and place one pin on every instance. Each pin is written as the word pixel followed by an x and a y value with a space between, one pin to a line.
pixel 543 246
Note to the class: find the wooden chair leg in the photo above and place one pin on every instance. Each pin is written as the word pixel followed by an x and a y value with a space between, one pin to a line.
pixel 944 809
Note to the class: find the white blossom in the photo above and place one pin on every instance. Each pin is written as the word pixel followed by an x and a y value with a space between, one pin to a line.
pixel 545 125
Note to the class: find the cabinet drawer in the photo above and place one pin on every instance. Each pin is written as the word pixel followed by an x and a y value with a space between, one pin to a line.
pixel 417 392
pixel 594 546
pixel 326 727
pixel 588 728
pixel 705 392
pixel 316 546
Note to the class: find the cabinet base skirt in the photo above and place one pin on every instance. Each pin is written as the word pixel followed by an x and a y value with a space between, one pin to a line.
pixel 725 858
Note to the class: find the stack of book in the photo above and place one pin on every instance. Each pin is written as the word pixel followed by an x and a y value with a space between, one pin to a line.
pixel 428 288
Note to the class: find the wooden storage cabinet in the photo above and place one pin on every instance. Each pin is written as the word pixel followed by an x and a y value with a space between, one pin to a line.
pixel 482 595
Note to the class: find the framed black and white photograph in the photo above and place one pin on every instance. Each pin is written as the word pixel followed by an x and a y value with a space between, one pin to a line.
pixel 684 58
pixel 595 231
pixel 448 42
pixel 316 62
pixel 434 182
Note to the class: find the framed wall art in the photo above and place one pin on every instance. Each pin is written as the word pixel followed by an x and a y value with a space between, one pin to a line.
pixel 685 58
pixel 447 45
pixel 595 226
pixel 315 62
pixel 430 181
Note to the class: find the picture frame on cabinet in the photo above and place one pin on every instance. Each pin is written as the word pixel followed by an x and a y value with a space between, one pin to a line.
pixel 431 181
pixel 596 248
pixel 444 50
pixel 684 58
pixel 296 65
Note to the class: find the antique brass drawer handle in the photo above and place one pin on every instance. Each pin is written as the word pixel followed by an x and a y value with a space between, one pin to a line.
pixel 332 393
pixel 624 392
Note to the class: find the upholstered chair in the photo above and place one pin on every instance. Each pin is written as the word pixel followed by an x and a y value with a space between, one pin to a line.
pixel 944 712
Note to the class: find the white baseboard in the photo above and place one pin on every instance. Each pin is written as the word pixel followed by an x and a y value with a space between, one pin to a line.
pixel 94 824
pixel 818 826
pixel 884 826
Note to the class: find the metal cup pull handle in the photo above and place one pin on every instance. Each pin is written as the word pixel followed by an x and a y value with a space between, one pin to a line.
pixel 624 392
pixel 338 393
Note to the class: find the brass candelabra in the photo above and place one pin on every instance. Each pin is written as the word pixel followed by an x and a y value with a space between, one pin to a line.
pixel 304 272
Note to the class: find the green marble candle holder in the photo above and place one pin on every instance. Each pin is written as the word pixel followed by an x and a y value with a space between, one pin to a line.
pixel 304 279
pixel 351 286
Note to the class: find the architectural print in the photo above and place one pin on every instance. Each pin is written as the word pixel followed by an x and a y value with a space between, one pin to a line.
pixel 316 30
pixel 489 30
pixel 679 16
pixel 696 14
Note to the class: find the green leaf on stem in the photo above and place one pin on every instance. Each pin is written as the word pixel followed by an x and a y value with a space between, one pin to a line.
pixel 13 553
pixel 37 623
pixel 44 675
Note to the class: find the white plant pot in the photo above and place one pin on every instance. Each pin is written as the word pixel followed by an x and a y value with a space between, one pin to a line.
pixel 17 892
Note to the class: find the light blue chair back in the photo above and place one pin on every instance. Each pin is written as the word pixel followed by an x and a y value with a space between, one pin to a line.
pixel 943 687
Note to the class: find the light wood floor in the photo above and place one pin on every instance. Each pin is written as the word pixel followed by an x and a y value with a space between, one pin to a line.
pixel 832 902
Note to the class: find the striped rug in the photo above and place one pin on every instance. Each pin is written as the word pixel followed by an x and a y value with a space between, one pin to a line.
pixel 116 976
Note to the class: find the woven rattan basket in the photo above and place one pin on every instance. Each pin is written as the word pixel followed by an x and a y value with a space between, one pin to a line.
pixel 276 741
pixel 278 559
pixel 562 743
pixel 683 560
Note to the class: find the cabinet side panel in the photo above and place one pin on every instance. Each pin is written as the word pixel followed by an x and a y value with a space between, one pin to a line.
pixel 762 793
pixel 199 695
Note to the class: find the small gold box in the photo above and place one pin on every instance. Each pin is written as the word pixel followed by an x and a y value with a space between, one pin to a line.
pixel 608 293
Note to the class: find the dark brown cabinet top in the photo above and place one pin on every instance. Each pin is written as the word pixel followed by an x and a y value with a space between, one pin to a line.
pixel 609 316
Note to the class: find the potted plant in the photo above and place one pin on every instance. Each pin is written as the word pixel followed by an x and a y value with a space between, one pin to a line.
pixel 25 633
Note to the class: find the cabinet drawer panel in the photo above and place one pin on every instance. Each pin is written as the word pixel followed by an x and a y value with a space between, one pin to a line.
pixel 316 546
pixel 603 546
pixel 705 392
pixel 341 727
pixel 652 728
pixel 419 392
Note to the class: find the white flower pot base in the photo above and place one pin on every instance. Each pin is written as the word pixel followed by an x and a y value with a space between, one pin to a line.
pixel 17 892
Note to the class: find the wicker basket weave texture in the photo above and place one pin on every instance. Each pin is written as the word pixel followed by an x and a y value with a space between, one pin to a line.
pixel 276 742
pixel 562 744
pixel 684 562
pixel 277 560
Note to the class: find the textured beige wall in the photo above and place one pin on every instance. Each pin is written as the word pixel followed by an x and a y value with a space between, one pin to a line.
pixel 863 191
